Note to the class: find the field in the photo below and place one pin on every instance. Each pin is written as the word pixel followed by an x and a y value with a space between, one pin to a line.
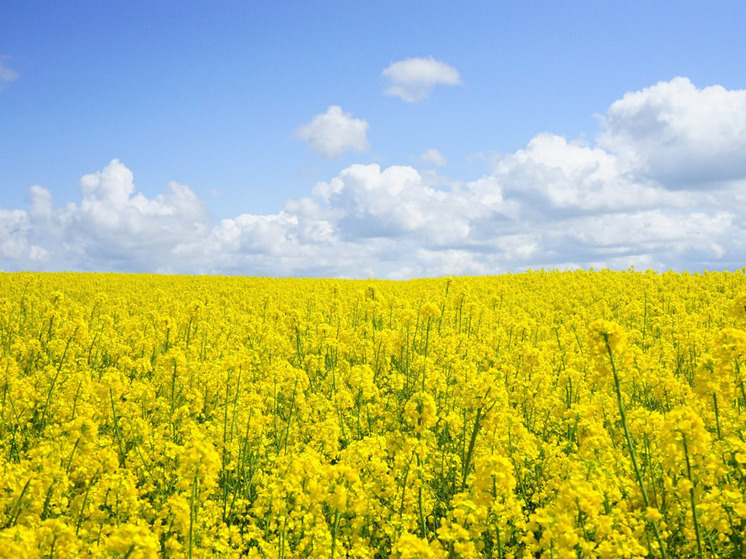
pixel 545 414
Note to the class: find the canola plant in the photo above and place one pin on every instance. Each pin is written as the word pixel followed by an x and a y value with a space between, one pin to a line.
pixel 544 414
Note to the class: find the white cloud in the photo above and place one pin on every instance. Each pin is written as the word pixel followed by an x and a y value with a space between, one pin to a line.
pixel 653 231
pixel 414 78
pixel 40 203
pixel 112 228
pixel 367 202
pixel 14 230
pixel 451 262
pixel 7 74
pixel 555 203
pixel 332 133
pixel 559 175
pixel 680 135
pixel 433 157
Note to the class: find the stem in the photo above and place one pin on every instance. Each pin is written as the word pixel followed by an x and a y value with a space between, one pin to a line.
pixel 72 454
pixel 85 501
pixel 423 526
pixel 192 503
pixel 226 475
pixel 173 399
pixel 499 543
pixel 13 518
pixel 117 434
pixel 497 522
pixel 427 343
pixel 404 488
pixel 290 416
pixel 75 399
pixel 47 500
pixel 470 452
pixel 43 421
pixel 334 533
pixel 691 497
pixel 717 415
pixel 628 438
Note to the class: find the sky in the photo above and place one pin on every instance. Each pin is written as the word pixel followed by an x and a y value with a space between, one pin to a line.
pixel 381 139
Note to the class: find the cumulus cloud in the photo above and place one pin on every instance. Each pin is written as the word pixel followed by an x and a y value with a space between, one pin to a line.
pixel 557 203
pixel 555 175
pixel 332 133
pixel 7 74
pixel 678 134
pixel 413 79
pixel 14 231
pixel 368 202
pixel 112 227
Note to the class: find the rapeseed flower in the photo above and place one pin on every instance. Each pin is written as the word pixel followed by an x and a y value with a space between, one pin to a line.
pixel 575 414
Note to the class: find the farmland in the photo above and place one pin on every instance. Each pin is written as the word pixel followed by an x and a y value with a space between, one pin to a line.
pixel 543 414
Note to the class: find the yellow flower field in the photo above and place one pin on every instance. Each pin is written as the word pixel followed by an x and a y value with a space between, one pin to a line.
pixel 545 414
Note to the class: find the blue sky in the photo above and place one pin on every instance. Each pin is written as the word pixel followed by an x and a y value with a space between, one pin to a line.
pixel 386 139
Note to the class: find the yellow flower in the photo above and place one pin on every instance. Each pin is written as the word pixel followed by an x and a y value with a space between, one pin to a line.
pixel 132 540
pixel 232 416
pixel 338 499
pixel 604 336
pixel 420 412
pixel 430 310
pixel 409 546
pixel 653 514
pixel 739 306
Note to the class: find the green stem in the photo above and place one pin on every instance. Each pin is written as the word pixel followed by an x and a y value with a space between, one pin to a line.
pixel 192 504
pixel 173 399
pixel 717 415
pixel 72 454
pixel 13 518
pixel 427 344
pixel 628 439
pixel 423 526
pixel 117 433
pixel 334 534
pixel 85 501
pixel 470 452
pixel 691 497
pixel 43 421
pixel 404 488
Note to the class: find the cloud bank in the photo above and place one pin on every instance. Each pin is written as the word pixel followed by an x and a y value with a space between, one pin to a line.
pixel 663 187
pixel 413 79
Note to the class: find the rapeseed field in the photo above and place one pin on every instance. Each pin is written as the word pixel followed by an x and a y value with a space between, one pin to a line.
pixel 543 414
